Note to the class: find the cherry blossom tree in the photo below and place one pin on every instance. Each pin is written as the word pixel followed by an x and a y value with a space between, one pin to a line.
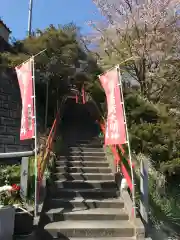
pixel 147 32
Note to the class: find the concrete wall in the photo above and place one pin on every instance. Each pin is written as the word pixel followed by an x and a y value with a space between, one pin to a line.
pixel 4 32
pixel 10 114
pixel 4 46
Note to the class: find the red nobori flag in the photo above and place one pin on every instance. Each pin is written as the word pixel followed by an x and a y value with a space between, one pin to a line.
pixel 24 75
pixel 115 124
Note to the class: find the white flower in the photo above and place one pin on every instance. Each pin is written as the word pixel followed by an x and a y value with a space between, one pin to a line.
pixel 5 188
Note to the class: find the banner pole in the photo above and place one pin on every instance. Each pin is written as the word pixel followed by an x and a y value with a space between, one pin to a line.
pixel 35 141
pixel 37 54
pixel 126 60
pixel 128 142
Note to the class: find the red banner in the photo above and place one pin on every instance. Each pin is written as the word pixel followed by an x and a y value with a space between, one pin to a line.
pixel 24 75
pixel 115 124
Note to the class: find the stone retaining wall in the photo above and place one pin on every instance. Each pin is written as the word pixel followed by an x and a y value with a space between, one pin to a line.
pixel 10 114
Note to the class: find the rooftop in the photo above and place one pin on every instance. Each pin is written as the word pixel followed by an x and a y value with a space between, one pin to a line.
pixel 1 22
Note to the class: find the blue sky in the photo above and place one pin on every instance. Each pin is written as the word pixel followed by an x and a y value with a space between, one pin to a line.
pixel 15 14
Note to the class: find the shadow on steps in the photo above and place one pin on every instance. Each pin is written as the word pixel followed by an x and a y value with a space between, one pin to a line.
pixel 77 128
pixel 44 235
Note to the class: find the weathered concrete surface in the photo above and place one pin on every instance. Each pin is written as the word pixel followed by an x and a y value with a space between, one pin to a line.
pixel 10 114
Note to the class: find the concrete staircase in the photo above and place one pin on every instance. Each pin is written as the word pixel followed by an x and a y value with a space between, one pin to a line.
pixel 83 200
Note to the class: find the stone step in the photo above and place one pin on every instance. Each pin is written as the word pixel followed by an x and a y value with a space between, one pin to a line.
pixel 40 234
pixel 81 152
pixel 81 184
pixel 85 184
pixel 84 214
pixel 84 176
pixel 80 202
pixel 89 141
pixel 85 145
pixel 95 193
pixel 84 169
pixel 82 164
pixel 84 150
pixel 91 229
pixel 103 238
pixel 84 154
pixel 82 158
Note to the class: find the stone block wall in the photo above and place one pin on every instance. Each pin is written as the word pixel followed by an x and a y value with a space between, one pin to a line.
pixel 10 114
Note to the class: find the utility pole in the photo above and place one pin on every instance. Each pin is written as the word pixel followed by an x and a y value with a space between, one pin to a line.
pixel 30 18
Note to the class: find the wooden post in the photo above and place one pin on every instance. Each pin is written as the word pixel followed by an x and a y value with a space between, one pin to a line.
pixel 144 209
pixel 24 177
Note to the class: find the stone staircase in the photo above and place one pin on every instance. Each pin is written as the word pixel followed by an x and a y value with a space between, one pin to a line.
pixel 83 200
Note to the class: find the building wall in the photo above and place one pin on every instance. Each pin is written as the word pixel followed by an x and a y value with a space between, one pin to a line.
pixel 4 33
pixel 10 114
pixel 4 46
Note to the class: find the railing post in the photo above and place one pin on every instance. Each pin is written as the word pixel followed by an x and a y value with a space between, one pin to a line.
pixel 76 98
pixel 144 209
pixel 24 177
pixel 83 95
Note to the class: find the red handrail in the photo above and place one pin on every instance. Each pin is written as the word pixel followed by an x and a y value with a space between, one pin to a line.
pixel 44 158
pixel 117 157
pixel 83 95
pixel 76 98
pixel 52 133
pixel 118 161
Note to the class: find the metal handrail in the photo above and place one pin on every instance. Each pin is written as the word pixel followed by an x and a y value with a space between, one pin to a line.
pixel 119 162
pixel 17 154
pixel 46 150
pixel 114 149
pixel 48 147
